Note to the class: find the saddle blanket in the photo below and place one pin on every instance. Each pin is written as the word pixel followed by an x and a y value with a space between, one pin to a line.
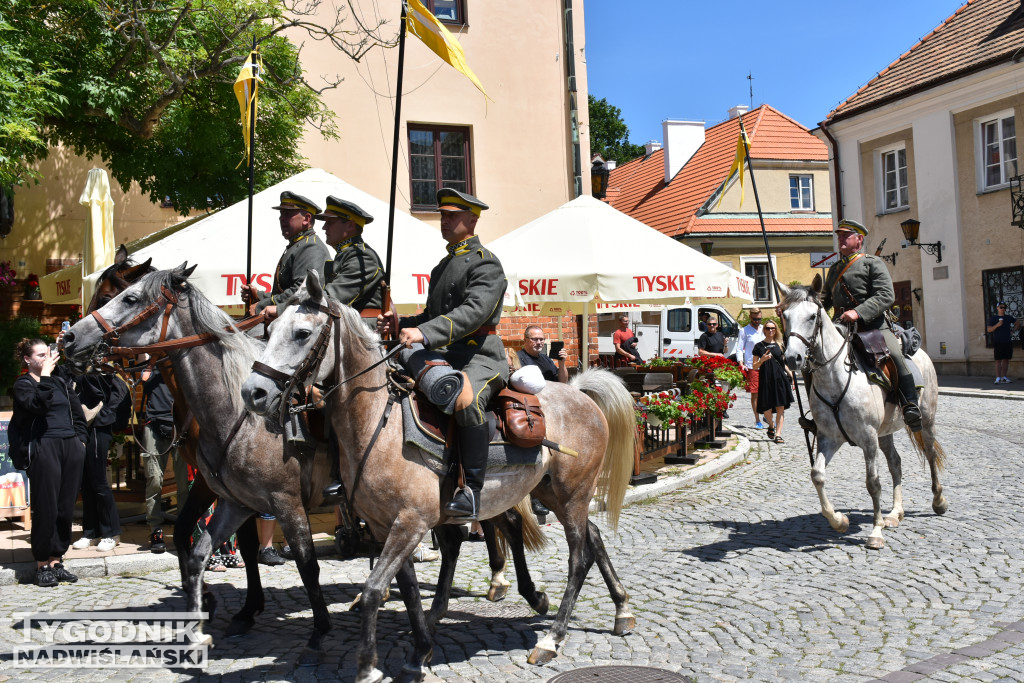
pixel 501 454
pixel 875 375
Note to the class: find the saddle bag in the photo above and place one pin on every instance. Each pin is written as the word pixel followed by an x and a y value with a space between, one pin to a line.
pixel 522 418
pixel 872 347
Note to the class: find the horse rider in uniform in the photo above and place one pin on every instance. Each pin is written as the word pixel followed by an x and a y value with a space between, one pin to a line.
pixel 354 278
pixel 859 288
pixel 464 301
pixel 304 252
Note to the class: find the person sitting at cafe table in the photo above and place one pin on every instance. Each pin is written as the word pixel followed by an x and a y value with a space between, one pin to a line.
pixel 712 342
pixel 625 342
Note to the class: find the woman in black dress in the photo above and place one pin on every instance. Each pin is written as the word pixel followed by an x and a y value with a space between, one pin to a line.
pixel 774 381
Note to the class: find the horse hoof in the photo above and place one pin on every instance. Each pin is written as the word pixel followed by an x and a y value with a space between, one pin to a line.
pixel 941 507
pixel 541 656
pixel 844 525
pixel 239 627
pixel 205 639
pixel 875 543
pixel 497 593
pixel 624 625
pixel 309 658
pixel 891 522
pixel 374 676
pixel 542 604
pixel 412 673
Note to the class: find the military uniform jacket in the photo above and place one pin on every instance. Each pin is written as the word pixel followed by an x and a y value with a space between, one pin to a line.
pixel 864 287
pixel 304 252
pixel 355 274
pixel 466 291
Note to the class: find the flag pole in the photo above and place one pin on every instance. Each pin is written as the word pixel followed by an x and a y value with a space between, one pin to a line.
pixel 771 273
pixel 394 144
pixel 252 150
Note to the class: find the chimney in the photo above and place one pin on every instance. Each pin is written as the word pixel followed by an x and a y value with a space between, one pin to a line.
pixel 682 139
pixel 653 146
pixel 611 164
pixel 738 110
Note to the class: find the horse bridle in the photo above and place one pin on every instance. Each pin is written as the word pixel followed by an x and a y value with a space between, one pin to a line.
pixel 309 366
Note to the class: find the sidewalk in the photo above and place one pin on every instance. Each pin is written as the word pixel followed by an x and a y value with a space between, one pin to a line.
pixel 132 556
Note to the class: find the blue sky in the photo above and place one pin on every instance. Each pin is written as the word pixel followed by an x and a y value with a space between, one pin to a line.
pixel 684 59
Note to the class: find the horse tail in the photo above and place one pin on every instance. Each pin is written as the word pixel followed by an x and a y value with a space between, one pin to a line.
pixel 917 440
pixel 531 532
pixel 610 394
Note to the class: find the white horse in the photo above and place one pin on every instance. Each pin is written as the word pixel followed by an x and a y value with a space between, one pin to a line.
pixel 847 408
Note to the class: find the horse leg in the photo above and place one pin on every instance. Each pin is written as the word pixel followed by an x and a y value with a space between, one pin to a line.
pixel 936 461
pixel 226 519
pixel 874 485
pixel 581 559
pixel 401 541
pixel 826 449
pixel 199 500
pixel 423 647
pixel 249 547
pixel 496 560
pixel 624 619
pixel 511 526
pixel 295 526
pixel 892 457
pixel 449 539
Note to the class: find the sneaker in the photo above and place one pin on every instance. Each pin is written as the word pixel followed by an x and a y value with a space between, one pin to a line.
pixel 156 541
pixel 107 544
pixel 760 425
pixel 45 578
pixel 82 543
pixel 62 574
pixel 1007 380
pixel 422 554
pixel 269 557
pixel 999 380
pixel 286 552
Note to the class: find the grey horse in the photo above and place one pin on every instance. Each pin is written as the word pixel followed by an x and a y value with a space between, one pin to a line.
pixel 847 408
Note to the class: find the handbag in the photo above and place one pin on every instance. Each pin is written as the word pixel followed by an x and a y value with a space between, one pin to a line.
pixel 19 440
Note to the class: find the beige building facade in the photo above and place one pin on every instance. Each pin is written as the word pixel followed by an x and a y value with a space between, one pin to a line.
pixel 521 151
pixel 943 155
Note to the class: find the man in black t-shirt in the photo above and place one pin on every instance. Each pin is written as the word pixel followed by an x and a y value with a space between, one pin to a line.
pixel 1001 326
pixel 532 353
pixel 712 342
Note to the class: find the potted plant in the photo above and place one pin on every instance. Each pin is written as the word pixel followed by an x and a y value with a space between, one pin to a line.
pixel 726 371
pixel 7 274
pixel 32 287
pixel 661 410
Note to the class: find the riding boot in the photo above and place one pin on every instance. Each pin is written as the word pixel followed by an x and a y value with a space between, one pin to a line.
pixel 908 395
pixel 473 445
pixel 334 493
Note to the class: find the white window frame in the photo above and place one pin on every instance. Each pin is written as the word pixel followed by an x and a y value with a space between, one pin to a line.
pixel 758 303
pixel 799 177
pixel 980 125
pixel 902 202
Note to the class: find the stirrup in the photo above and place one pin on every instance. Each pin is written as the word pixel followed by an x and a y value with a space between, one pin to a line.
pixel 333 493
pixel 457 507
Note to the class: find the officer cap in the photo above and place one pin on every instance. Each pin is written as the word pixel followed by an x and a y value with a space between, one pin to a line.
pixel 292 202
pixel 453 200
pixel 849 225
pixel 347 211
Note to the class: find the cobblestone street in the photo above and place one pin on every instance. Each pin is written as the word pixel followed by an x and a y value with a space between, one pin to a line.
pixel 738 578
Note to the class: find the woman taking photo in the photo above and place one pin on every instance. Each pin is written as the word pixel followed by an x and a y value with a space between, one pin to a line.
pixel 44 400
pixel 774 380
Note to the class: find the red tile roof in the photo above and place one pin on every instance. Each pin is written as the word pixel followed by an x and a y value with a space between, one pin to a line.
pixel 980 34
pixel 796 224
pixel 638 187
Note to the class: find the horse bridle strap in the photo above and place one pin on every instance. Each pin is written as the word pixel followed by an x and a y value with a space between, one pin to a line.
pixel 170 345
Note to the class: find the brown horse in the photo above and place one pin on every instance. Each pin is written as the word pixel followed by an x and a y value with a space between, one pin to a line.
pixel 395 489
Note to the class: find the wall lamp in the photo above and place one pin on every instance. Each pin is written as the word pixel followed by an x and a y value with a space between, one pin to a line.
pixel 910 229
pixel 1016 202
pixel 917 293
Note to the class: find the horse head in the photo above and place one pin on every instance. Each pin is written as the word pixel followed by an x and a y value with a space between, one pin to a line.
pixel 299 339
pixel 117 278
pixel 801 312
pixel 137 316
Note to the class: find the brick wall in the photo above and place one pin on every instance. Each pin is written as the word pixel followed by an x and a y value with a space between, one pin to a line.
pixel 512 329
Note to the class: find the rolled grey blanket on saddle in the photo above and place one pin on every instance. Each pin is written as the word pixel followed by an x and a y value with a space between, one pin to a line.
pixel 441 384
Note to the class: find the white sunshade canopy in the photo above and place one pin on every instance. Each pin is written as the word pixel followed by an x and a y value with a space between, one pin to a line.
pixel 587 255
pixel 217 243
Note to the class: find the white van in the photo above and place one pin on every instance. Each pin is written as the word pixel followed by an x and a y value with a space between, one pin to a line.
pixel 669 332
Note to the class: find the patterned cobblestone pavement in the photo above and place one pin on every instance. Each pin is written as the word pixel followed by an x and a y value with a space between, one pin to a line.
pixel 738 578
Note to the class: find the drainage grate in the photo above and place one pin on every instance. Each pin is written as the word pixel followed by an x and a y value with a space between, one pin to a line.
pixel 620 674
pixel 483 609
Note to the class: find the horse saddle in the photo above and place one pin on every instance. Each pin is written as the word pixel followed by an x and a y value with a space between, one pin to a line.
pixel 873 358
pixel 431 431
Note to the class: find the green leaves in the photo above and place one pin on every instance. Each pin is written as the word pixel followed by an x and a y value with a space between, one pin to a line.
pixel 609 135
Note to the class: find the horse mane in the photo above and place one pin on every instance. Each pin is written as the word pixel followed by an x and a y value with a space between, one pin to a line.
pixel 798 294
pixel 353 323
pixel 238 350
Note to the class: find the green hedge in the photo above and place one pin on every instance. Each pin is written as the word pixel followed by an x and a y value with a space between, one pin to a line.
pixel 11 333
